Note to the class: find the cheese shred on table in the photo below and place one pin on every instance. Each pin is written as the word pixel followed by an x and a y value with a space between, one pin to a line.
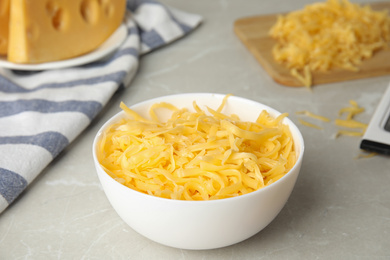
pixel 305 123
pixel 312 115
pixel 329 35
pixel 349 122
pixel 201 155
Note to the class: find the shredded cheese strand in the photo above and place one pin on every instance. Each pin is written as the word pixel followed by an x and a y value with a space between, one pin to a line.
pixel 348 133
pixel 305 123
pixel 312 115
pixel 350 123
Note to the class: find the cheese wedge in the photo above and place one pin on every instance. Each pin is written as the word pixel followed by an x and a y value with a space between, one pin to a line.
pixel 51 30
pixel 4 18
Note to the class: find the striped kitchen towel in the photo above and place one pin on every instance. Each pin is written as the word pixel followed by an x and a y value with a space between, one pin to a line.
pixel 41 113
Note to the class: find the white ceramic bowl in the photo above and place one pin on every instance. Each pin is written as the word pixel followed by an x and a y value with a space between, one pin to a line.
pixel 201 224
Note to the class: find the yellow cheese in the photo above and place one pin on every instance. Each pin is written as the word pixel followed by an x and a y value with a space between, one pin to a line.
pixel 328 35
pixel 43 31
pixel 349 121
pixel 4 18
pixel 196 155
pixel 303 122
pixel 367 155
pixel 312 115
pixel 348 133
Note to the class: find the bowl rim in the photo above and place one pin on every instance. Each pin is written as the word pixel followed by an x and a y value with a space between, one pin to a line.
pixel 121 113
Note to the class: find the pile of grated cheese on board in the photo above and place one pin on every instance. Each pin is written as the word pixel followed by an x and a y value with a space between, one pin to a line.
pixel 196 155
pixel 335 34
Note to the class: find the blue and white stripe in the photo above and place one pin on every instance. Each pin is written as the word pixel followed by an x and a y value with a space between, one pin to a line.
pixel 41 113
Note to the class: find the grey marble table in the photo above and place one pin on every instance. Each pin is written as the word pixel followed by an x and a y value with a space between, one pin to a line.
pixel 339 209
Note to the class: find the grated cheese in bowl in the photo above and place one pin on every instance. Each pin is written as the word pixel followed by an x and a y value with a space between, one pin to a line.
pixel 329 35
pixel 200 155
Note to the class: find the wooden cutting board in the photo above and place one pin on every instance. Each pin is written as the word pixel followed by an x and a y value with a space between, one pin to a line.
pixel 253 32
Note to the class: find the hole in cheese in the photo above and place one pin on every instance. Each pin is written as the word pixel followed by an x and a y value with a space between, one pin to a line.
pixel 58 20
pixel 107 7
pixel 51 8
pixel 56 15
pixel 108 10
pixel 89 11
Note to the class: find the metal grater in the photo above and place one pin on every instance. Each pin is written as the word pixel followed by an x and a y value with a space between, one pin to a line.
pixel 377 136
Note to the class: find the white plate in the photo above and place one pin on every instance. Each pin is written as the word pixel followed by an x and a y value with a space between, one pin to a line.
pixel 111 44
